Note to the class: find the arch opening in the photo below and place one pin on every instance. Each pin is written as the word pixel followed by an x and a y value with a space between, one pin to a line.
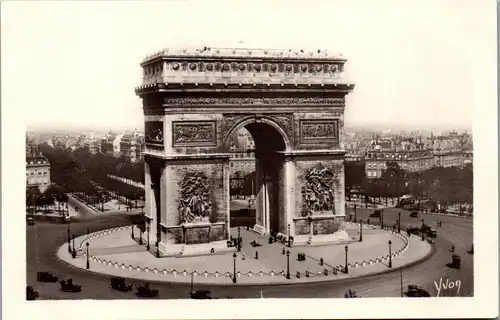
pixel 264 205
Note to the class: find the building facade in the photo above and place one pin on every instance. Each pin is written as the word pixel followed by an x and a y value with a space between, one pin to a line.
pixel 37 169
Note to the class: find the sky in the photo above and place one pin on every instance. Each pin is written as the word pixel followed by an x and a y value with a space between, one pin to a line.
pixel 415 64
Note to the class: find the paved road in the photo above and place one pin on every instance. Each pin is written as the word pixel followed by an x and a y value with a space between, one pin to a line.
pixel 44 238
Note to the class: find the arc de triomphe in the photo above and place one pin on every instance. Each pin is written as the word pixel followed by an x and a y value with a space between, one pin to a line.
pixel 291 102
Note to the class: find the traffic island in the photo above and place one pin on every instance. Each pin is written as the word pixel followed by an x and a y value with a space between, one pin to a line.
pixel 114 252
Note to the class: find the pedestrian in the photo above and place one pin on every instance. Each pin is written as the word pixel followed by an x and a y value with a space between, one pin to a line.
pixel 243 256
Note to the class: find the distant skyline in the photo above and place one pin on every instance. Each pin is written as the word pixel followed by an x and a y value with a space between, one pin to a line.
pixel 415 65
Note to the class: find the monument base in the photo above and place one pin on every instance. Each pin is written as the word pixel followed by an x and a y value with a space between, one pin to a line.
pixel 258 229
pixel 186 250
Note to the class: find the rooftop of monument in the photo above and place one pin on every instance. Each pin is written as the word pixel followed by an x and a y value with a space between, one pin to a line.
pixel 217 52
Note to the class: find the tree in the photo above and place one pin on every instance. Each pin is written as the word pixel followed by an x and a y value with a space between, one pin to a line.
pixel 32 197
pixel 394 179
pixel 355 176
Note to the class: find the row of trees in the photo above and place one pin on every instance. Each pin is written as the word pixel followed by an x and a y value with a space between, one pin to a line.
pixel 446 186
pixel 53 195
pixel 86 175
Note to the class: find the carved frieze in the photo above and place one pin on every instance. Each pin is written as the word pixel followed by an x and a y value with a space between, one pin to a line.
pixel 193 101
pixel 318 191
pixel 194 203
pixel 321 130
pixel 153 132
pixel 193 133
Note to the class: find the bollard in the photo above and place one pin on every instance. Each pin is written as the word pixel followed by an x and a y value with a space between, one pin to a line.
pixel 256 254
pixel 298 274
pixel 321 261
pixel 307 273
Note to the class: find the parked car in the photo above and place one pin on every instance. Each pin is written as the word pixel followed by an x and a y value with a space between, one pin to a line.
pixel 31 294
pixel 120 284
pixel 416 292
pixel 414 214
pixel 146 292
pixel 68 286
pixel 46 277
pixel 201 294
pixel 30 220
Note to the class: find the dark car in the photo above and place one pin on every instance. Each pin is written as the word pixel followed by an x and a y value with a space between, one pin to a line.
pixel 46 277
pixel 456 261
pixel 432 233
pixel 68 286
pixel 414 230
pixel 201 294
pixel 414 214
pixel 120 285
pixel 416 292
pixel 146 292
pixel 30 220
pixel 31 294
pixel 376 213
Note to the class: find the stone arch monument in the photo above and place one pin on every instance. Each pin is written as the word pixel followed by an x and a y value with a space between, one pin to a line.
pixel 292 103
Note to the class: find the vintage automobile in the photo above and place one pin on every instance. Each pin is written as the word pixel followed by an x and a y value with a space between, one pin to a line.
pixel 456 261
pixel 201 294
pixel 31 294
pixel 376 213
pixel 30 220
pixel 432 233
pixel 46 277
pixel 416 292
pixel 68 286
pixel 425 228
pixel 146 292
pixel 413 230
pixel 120 285
pixel 414 214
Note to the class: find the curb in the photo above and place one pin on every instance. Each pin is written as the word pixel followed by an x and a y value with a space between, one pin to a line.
pixel 224 274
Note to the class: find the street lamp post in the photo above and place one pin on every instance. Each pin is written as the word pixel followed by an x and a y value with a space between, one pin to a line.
pixel 288 264
pixel 147 241
pixel 289 242
pixel 355 213
pixel 88 261
pixel 239 241
pixel 234 267
pixel 346 268
pixel 399 222
pixel 140 236
pixel 390 257
pixel 360 230
pixel 132 231
pixel 74 248
pixel 69 239
pixel 157 249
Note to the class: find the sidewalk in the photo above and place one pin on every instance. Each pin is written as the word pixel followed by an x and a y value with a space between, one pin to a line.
pixel 128 259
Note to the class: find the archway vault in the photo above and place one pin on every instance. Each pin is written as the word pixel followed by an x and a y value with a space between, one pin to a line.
pixel 292 106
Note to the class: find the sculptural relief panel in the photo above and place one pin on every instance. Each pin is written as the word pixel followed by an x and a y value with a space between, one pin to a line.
pixel 194 133
pixel 318 194
pixel 194 203
pixel 314 131
pixel 154 132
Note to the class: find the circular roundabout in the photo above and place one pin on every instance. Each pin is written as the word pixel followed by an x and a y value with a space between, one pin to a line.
pixel 119 252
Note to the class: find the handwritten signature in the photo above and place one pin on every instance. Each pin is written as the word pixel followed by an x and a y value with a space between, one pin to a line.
pixel 447 285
